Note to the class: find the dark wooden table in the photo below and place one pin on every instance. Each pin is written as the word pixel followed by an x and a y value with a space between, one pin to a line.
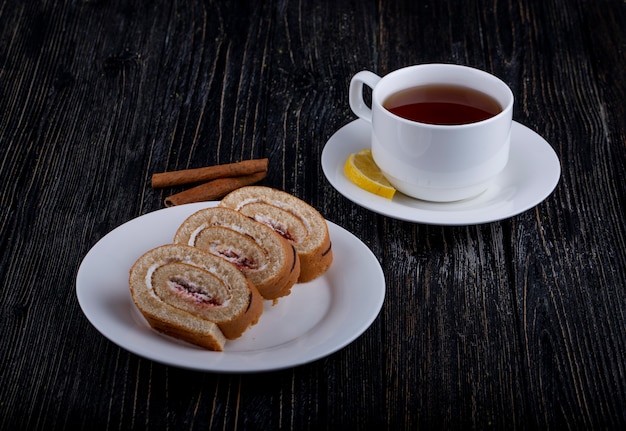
pixel 515 324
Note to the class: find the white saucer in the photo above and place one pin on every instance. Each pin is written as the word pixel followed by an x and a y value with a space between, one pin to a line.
pixel 315 320
pixel 531 175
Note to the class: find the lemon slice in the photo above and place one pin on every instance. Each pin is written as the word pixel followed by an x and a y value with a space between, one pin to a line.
pixel 361 169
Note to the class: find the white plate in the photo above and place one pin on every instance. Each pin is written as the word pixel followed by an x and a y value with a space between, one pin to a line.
pixel 315 320
pixel 531 175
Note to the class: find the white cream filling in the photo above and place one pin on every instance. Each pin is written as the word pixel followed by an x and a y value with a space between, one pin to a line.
pixel 195 233
pixel 245 202
pixel 148 280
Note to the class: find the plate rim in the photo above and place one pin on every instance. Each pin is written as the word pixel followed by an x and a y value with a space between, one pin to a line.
pixel 445 215
pixel 226 362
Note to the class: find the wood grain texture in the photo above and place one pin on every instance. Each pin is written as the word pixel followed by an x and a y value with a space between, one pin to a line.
pixel 515 324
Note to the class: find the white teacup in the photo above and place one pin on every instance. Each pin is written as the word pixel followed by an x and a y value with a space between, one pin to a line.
pixel 436 162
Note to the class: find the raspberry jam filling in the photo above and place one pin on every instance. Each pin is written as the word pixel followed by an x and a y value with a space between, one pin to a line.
pixel 196 292
pixel 280 228
pixel 241 262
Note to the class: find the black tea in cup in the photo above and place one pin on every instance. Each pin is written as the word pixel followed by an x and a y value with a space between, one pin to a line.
pixel 442 104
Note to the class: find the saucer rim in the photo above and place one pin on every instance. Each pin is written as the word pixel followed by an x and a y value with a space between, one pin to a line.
pixel 534 149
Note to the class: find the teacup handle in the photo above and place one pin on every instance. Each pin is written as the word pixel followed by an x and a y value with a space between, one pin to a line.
pixel 357 104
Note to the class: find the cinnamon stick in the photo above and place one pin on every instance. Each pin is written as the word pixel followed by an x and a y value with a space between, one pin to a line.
pixel 214 189
pixel 197 175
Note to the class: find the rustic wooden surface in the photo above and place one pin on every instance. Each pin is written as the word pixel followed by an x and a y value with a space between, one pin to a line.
pixel 517 324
